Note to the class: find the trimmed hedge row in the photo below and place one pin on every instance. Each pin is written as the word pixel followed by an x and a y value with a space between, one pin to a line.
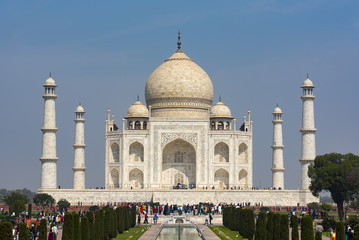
pixel 104 224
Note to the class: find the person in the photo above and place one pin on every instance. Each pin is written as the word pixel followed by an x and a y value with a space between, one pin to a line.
pixel 207 218
pixel 333 235
pixel 155 219
pixel 51 235
pixel 54 229
pixel 210 219
pixel 139 219
pixel 146 219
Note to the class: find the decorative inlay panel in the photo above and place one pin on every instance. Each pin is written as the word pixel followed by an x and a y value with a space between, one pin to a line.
pixel 167 137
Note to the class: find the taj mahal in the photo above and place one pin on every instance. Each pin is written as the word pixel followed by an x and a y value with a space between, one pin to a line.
pixel 178 138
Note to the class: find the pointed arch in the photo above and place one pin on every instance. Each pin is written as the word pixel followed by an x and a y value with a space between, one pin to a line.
pixel 115 178
pixel 221 179
pixel 136 178
pixel 243 153
pixel 178 156
pixel 221 153
pixel 243 178
pixel 114 153
pixel 136 152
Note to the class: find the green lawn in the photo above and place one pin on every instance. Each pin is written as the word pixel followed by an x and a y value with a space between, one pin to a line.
pixel 224 233
pixel 133 233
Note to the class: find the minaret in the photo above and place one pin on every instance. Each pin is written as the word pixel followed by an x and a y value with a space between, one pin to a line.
pixel 277 168
pixel 49 158
pixel 79 147
pixel 308 131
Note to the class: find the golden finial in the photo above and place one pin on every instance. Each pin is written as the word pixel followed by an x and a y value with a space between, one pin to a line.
pixel 50 74
pixel 307 75
pixel 138 97
pixel 179 40
pixel 220 98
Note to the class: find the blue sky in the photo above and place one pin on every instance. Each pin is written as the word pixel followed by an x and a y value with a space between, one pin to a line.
pixel 101 53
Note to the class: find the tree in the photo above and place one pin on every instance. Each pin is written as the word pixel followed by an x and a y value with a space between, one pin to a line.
pixel 356 232
pixel 76 222
pixel 23 232
pixel 43 200
pixel 295 234
pixel 68 228
pixel 284 232
pixel 89 216
pixel 326 207
pixel 63 204
pixel 120 222
pixel 114 233
pixel 5 230
pixel 276 226
pixel 307 232
pixel 330 172
pixel 269 226
pixel 318 236
pixel 18 206
pixel 85 229
pixel 13 196
pixel 261 226
pixel 314 206
pixel 29 210
pixel 339 229
pixel 43 230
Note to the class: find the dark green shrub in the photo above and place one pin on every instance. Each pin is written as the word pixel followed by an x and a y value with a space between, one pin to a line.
pixel 127 218
pixel 107 224
pixel 318 236
pixel 269 226
pixel 18 206
pixel 251 223
pixel 295 233
pixel 121 218
pixel 29 210
pixel 43 230
pixel 265 209
pixel 261 226
pixel 276 226
pixel 328 223
pixel 133 216
pixel 94 208
pixel 339 229
pixel 89 216
pixel 6 230
pixel 76 222
pixel 23 232
pixel 98 235
pixel 241 218
pixel 115 224
pixel 352 221
pixel 284 227
pixel 85 229
pixel 68 228
pixel 307 228
pixel 356 232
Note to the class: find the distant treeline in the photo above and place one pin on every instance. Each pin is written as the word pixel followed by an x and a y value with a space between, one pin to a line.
pixel 4 192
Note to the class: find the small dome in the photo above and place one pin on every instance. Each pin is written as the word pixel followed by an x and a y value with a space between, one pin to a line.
pixel 220 110
pixel 80 109
pixel 307 83
pixel 277 110
pixel 137 109
pixel 50 82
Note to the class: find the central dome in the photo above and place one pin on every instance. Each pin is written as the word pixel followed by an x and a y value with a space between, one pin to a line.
pixel 179 88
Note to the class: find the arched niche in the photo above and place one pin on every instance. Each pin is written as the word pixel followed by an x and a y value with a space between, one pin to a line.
pixel 243 153
pixel 136 178
pixel 136 152
pixel 243 178
pixel 221 179
pixel 114 178
pixel 114 153
pixel 221 153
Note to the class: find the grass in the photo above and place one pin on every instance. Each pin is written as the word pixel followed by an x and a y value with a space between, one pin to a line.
pixel 224 233
pixel 326 234
pixel 133 233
